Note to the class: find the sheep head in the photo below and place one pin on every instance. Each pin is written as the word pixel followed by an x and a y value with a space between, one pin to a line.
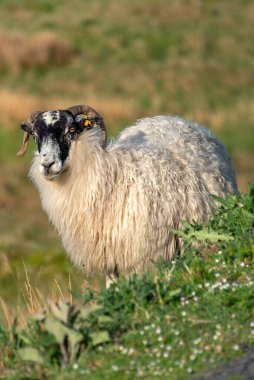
pixel 54 131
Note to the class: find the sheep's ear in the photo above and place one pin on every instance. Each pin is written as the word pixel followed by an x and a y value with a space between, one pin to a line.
pixel 84 122
pixel 27 127
pixel 86 118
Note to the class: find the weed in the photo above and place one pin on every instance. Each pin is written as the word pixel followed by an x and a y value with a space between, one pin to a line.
pixel 194 312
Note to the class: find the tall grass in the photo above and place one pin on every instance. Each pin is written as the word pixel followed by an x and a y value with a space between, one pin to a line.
pixel 20 52
pixel 188 315
pixel 127 59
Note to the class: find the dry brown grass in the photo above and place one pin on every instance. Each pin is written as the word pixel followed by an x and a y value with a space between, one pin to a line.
pixel 20 52
pixel 244 168
pixel 17 106
pixel 34 300
pixel 217 119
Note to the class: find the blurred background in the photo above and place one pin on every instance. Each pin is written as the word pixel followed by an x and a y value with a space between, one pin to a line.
pixel 127 59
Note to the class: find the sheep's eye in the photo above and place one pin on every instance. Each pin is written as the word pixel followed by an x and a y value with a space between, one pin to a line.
pixel 72 130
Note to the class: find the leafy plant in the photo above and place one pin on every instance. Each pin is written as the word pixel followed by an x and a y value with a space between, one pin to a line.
pixel 178 318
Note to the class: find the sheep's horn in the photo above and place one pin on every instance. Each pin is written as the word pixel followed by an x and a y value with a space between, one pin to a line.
pixel 23 149
pixel 26 126
pixel 83 109
pixel 33 116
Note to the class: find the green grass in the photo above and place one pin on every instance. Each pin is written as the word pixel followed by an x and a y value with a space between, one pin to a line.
pixel 128 60
pixel 187 316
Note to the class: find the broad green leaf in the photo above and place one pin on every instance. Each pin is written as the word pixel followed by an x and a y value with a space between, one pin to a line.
pixel 31 354
pixel 24 338
pixel 104 319
pixel 38 317
pixel 175 292
pixel 60 331
pixel 201 235
pixel 99 337
pixel 61 310
pixel 219 199
pixel 86 310
pixel 213 236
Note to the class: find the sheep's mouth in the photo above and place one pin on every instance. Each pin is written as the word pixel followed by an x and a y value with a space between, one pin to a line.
pixel 51 176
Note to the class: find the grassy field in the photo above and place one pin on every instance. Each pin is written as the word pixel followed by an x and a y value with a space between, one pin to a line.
pixel 187 316
pixel 127 60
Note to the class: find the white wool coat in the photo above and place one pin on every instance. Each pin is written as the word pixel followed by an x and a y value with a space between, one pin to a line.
pixel 113 208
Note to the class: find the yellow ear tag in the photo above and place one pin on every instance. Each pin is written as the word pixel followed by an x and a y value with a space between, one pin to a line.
pixel 87 123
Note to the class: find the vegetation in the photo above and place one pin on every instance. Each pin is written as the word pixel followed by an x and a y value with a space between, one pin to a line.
pixel 127 59
pixel 186 316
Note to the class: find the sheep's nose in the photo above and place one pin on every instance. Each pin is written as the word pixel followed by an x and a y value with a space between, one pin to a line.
pixel 47 165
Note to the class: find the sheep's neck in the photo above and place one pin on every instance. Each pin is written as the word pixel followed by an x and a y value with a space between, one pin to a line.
pixel 78 202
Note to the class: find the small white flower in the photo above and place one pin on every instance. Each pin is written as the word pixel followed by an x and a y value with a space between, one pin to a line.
pixel 236 347
pixel 115 367
pixel 158 330
pixel 75 366
pixel 165 355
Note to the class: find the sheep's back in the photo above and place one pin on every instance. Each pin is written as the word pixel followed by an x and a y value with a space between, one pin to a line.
pixel 187 146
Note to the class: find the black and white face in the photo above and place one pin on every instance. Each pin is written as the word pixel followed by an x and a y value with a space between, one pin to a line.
pixel 53 132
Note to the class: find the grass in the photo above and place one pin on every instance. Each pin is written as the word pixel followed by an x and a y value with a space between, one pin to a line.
pixel 189 315
pixel 127 60
pixel 18 53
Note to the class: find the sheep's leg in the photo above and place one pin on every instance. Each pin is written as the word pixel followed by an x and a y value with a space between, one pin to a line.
pixel 111 278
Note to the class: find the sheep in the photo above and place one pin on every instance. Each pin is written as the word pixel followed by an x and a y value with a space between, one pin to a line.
pixel 113 204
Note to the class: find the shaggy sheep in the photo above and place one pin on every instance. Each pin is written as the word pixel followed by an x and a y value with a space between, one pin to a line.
pixel 113 204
